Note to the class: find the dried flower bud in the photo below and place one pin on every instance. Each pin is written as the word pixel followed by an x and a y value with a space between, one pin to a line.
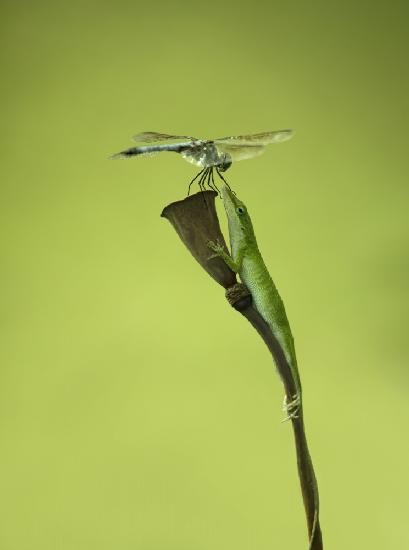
pixel 196 223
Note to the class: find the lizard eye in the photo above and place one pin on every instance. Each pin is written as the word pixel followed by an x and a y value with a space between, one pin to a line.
pixel 240 210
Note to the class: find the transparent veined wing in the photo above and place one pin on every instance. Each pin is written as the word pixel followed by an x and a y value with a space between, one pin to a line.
pixel 153 137
pixel 241 152
pixel 263 138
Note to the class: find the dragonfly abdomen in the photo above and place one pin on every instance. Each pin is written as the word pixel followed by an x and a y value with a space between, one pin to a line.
pixel 152 149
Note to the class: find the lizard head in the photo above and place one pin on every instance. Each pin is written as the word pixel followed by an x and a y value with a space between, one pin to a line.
pixel 240 226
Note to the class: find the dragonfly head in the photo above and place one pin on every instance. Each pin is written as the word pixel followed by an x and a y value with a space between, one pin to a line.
pixel 225 162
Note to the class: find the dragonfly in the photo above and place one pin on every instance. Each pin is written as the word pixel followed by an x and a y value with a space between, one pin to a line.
pixel 209 155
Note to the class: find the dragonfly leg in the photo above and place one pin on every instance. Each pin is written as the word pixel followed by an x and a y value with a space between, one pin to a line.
pixel 208 180
pixel 202 180
pixel 220 176
pixel 195 178
pixel 213 182
pixel 202 184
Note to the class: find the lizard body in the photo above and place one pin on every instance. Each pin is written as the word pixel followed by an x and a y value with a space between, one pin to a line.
pixel 246 260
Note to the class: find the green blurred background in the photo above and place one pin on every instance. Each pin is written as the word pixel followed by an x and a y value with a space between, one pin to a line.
pixel 137 410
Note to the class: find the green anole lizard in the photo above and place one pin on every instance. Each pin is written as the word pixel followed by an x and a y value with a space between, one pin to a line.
pixel 247 261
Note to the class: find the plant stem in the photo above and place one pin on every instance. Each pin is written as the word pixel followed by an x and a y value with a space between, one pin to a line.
pixel 195 220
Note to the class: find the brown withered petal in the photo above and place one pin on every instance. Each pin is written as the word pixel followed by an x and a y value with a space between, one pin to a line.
pixel 196 222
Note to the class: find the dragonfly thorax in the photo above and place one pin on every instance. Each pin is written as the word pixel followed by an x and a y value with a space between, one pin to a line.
pixel 206 154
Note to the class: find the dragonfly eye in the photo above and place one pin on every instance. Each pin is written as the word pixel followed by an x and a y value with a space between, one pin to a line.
pixel 226 162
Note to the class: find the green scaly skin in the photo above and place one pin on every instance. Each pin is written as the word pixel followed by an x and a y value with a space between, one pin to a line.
pixel 247 261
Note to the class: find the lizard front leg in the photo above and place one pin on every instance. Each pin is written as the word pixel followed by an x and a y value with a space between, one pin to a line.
pixel 219 252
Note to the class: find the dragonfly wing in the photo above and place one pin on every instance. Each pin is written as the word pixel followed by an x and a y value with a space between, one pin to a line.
pixel 241 152
pixel 263 138
pixel 153 137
